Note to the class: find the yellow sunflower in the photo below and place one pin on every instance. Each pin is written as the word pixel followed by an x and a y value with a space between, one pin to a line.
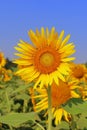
pixel 79 72
pixel 60 94
pixel 83 91
pixel 47 60
pixel 5 75
pixel 2 60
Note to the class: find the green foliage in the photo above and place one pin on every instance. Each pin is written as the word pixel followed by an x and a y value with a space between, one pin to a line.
pixel 15 106
pixel 16 110
pixel 78 109
pixel 16 119
pixel 62 126
pixel 76 106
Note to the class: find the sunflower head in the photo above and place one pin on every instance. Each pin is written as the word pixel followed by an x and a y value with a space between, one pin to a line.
pixel 83 91
pixel 47 60
pixel 60 94
pixel 63 92
pixel 79 72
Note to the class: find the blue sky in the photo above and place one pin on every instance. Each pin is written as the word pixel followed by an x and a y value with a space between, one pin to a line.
pixel 17 17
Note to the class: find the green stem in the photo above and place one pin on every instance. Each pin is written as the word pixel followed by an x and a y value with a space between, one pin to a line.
pixel 10 127
pixel 40 125
pixel 49 109
pixel 8 103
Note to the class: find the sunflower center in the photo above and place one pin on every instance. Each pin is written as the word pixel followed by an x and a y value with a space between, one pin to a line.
pixel 78 72
pixel 60 94
pixel 46 60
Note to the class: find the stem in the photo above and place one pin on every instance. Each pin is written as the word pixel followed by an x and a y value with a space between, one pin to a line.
pixel 10 127
pixel 8 103
pixel 40 125
pixel 49 109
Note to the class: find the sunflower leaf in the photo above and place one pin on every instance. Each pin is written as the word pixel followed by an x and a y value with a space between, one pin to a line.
pixel 62 126
pixel 16 119
pixel 76 106
pixel 23 87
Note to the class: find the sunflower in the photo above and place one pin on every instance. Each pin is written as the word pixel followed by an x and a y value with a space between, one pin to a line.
pixel 83 92
pixel 47 60
pixel 78 72
pixel 2 60
pixel 60 94
pixel 5 75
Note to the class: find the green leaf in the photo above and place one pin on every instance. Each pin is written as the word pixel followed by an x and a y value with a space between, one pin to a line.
pixel 16 119
pixel 82 122
pixel 76 108
pixel 62 126
pixel 23 87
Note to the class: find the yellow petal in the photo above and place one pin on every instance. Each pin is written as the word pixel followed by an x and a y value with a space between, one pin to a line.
pixel 23 56
pixel 59 39
pixel 28 45
pixel 66 115
pixel 65 40
pixel 47 32
pixel 68 59
pixel 23 62
pixel 42 32
pixel 68 47
pixel 74 94
pixel 61 76
pixel 55 77
pixel 58 116
pixel 33 38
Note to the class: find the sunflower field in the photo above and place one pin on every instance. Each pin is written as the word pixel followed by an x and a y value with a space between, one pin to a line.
pixel 43 88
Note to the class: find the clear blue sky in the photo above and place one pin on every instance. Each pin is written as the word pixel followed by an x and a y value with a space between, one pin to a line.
pixel 17 17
